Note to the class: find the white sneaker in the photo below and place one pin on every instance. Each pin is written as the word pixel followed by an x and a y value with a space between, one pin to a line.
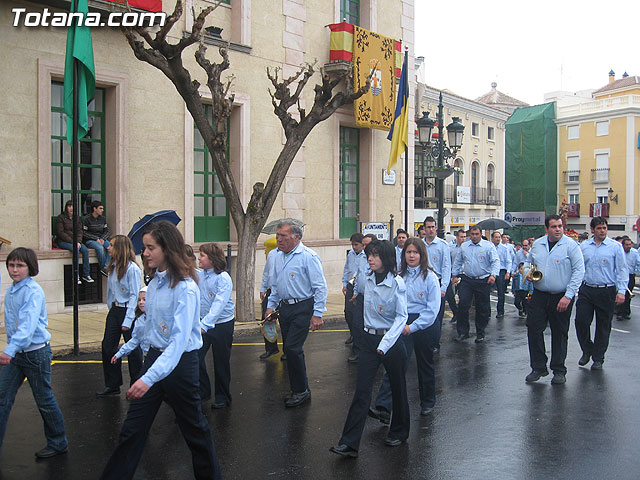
pixel 87 279
pixel 79 282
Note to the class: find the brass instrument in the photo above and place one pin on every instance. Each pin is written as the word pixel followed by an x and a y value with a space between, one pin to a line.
pixel 536 275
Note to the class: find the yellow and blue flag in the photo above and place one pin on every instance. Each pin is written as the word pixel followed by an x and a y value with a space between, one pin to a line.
pixel 399 133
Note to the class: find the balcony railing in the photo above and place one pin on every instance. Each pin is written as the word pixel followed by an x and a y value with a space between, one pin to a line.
pixel 571 176
pixel 599 175
pixel 478 195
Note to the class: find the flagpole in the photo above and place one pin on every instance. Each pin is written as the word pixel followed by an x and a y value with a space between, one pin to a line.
pixel 406 192
pixel 74 199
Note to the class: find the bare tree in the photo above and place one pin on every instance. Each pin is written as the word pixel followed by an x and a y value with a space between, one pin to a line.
pixel 157 51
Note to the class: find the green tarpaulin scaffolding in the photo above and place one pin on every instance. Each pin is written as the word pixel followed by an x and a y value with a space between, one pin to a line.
pixel 531 165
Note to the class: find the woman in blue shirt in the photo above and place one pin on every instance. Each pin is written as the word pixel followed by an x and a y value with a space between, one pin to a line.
pixel 28 354
pixel 385 316
pixel 216 323
pixel 123 284
pixel 170 370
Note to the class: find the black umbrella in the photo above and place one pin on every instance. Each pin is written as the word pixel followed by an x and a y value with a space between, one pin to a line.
pixel 493 224
pixel 136 232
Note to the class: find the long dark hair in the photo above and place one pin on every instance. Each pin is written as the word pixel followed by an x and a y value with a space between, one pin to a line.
pixel 216 255
pixel 387 253
pixel 424 257
pixel 169 238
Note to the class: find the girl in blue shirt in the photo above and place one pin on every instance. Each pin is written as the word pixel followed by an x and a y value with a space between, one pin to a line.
pixel 385 316
pixel 123 284
pixel 170 370
pixel 28 354
pixel 216 323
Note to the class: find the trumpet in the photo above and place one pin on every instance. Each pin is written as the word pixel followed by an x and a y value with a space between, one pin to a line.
pixel 536 275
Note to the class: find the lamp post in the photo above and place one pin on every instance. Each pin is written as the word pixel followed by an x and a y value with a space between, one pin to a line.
pixel 438 150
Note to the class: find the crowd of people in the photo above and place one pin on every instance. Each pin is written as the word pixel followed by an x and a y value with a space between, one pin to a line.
pixel 394 306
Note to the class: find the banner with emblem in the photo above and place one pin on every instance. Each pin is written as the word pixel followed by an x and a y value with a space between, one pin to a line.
pixel 371 50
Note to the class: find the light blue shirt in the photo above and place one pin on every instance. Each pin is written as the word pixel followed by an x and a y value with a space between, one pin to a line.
pixel 267 273
pixel 605 264
pixel 25 316
pixel 361 275
pixel 440 260
pixel 454 250
pixel 125 291
pixel 351 266
pixel 477 259
pixel 562 268
pixel 137 338
pixel 423 297
pixel 520 257
pixel 172 324
pixel 398 257
pixel 506 260
pixel 385 307
pixel 299 275
pixel 216 305
pixel 633 261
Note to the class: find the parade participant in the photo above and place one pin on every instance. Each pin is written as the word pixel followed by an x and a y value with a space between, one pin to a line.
pixel 421 232
pixel 358 299
pixel 217 322
pixel 385 316
pixel 521 255
pixel 123 285
pixel 138 331
pixel 605 274
pixel 454 250
pixel 270 348
pixel 28 354
pixel 348 276
pixel 401 236
pixel 504 254
pixel 633 266
pixel 170 371
pixel 560 261
pixel 423 305
pixel 440 262
pixel 523 290
pixel 300 293
pixel 64 239
pixel 477 265
pixel 95 234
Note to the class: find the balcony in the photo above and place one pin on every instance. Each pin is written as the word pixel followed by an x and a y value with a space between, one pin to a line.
pixel 471 195
pixel 599 175
pixel 573 210
pixel 599 210
pixel 571 177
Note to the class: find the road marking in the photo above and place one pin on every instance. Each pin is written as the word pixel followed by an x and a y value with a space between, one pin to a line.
pixel 621 331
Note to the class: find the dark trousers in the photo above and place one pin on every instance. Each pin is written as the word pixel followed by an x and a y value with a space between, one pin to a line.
pixel 422 342
pixel 542 311
pixel 219 339
pixel 110 341
pixel 271 347
pixel 180 390
pixel 501 288
pixel 450 298
pixel 625 308
pixel 473 288
pixel 520 300
pixel 295 321
pixel 349 308
pixel 358 324
pixel 602 301
pixel 394 362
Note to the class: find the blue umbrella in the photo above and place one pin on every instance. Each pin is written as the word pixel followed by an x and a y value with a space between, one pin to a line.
pixel 136 232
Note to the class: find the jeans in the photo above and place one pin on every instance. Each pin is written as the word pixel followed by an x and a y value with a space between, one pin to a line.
pixel 101 252
pixel 36 367
pixel 84 251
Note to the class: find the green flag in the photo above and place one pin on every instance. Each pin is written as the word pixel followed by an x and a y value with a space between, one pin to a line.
pixel 80 47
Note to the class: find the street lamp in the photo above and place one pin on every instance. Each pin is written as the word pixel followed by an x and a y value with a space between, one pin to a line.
pixel 438 150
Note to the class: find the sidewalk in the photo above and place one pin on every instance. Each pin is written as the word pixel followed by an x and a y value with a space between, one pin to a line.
pixel 91 320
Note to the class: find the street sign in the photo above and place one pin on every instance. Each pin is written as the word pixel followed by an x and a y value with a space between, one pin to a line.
pixel 379 229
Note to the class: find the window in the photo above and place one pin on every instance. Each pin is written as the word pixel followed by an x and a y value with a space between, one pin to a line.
pixel 573 174
pixel 573 132
pixel 349 180
pixel 350 11
pixel 602 167
pixel 424 181
pixel 211 216
pixel 490 133
pixel 475 129
pixel 490 178
pixel 475 177
pixel 574 196
pixel 91 178
pixel 602 195
pixel 602 128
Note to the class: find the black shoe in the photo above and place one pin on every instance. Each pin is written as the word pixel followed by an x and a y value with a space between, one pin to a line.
pixel 453 320
pixel 426 411
pixel 353 359
pixel 87 279
pixel 48 452
pixel 103 273
pixel 348 341
pixel 535 375
pixel 596 365
pixel 108 391
pixel 584 359
pixel 522 314
pixel 379 414
pixel 283 358
pixel 393 442
pixel 436 349
pixel 558 378
pixel 219 405
pixel 500 315
pixel 266 355
pixel 480 338
pixel 461 338
pixel 625 317
pixel 297 399
pixel 344 450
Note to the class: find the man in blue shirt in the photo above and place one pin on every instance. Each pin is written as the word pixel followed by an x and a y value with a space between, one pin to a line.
pixel 560 260
pixel 454 250
pixel 521 257
pixel 357 298
pixel 300 293
pixel 348 276
pixel 623 312
pixel 605 283
pixel 504 255
pixel 477 265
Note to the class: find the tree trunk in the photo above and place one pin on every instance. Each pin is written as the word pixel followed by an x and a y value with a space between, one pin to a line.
pixel 246 271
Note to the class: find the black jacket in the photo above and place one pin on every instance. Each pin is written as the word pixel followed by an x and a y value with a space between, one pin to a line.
pixel 95 228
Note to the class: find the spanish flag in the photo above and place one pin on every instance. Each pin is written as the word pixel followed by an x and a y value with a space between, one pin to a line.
pixel 399 133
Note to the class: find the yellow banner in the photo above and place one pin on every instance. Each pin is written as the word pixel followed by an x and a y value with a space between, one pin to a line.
pixel 374 51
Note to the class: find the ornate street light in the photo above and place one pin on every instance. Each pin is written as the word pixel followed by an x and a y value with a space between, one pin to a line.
pixel 439 150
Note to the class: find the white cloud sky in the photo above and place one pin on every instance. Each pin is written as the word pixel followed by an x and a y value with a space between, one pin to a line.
pixel 528 48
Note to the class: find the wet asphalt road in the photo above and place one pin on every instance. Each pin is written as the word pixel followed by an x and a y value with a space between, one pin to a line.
pixel 487 424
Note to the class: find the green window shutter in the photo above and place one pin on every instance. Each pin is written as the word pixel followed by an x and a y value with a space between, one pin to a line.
pixel 349 180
